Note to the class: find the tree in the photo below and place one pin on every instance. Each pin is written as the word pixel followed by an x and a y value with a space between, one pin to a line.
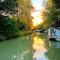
pixel 57 3
pixel 25 7
pixel 50 16
pixel 8 27
pixel 8 6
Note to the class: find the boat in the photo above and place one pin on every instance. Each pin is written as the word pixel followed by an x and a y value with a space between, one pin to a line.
pixel 54 34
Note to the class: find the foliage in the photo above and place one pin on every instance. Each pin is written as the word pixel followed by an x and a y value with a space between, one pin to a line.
pixel 22 26
pixel 57 3
pixel 24 15
pixel 8 27
pixel 8 5
pixel 50 17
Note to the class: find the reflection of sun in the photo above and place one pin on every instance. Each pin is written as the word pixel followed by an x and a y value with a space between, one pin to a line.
pixel 38 44
pixel 40 49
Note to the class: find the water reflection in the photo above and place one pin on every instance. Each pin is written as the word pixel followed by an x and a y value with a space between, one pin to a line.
pixel 40 49
pixel 20 56
pixel 54 44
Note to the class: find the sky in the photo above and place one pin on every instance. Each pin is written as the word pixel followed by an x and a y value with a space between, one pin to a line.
pixel 39 4
pixel 2 0
pixel 39 7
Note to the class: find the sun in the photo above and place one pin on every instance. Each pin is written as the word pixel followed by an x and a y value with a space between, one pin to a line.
pixel 37 21
pixel 37 18
pixel 39 7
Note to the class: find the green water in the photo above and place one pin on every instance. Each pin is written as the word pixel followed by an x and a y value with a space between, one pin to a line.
pixel 16 49
pixel 21 49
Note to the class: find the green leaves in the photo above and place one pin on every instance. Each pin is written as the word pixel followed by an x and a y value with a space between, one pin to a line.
pixel 8 27
pixel 8 5
pixel 57 3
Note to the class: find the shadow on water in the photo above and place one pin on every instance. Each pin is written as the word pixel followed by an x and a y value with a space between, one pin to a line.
pixel 40 49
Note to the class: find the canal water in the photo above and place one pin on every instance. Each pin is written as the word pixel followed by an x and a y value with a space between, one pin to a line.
pixel 32 47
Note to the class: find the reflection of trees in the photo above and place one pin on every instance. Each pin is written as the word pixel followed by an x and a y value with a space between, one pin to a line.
pixel 55 44
pixel 54 51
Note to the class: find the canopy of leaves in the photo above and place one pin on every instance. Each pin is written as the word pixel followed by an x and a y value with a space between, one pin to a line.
pixel 25 8
pixel 57 3
pixel 8 5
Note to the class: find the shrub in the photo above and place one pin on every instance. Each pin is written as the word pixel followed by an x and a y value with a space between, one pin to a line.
pixel 8 27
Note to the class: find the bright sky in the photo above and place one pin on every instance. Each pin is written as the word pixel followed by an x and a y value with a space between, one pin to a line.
pixel 39 4
pixel 2 0
pixel 37 18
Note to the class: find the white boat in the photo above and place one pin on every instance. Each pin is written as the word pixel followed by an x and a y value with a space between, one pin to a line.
pixel 54 34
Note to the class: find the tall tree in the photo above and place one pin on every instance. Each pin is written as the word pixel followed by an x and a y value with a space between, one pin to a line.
pixel 57 3
pixel 51 14
pixel 8 27
pixel 25 9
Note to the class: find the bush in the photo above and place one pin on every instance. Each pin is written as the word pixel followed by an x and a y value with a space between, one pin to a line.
pixel 22 26
pixel 8 27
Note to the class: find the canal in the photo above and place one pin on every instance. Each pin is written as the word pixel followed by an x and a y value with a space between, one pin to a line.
pixel 32 47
